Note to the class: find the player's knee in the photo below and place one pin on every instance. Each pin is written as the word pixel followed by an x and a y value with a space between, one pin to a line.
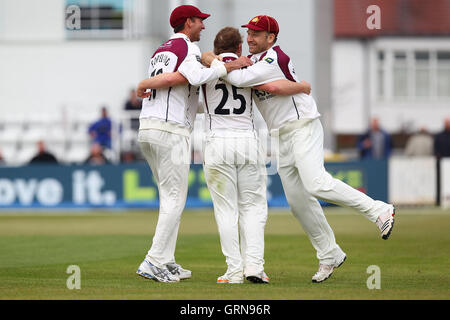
pixel 319 184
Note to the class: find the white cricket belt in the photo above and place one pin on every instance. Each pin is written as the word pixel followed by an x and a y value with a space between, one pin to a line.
pixel 159 124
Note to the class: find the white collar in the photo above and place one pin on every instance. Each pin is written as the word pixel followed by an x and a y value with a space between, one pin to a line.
pixel 228 54
pixel 258 55
pixel 180 35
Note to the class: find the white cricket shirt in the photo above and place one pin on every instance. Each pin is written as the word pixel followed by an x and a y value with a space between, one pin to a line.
pixel 272 65
pixel 177 106
pixel 226 106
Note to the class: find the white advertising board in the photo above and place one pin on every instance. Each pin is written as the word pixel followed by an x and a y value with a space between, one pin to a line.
pixel 445 183
pixel 412 180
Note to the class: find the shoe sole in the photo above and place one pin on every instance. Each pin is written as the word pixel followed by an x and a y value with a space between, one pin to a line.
pixel 146 276
pixel 340 264
pixel 228 282
pixel 256 279
pixel 222 281
pixel 386 236
pixel 316 281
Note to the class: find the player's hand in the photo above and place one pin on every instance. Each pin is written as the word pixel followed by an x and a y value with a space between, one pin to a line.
pixel 208 57
pixel 142 92
pixel 307 87
pixel 243 62
pixel 146 94
pixel 239 63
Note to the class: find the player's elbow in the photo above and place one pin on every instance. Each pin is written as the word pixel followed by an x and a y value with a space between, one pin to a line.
pixel 236 79
pixel 192 79
pixel 167 82
pixel 175 79
pixel 237 83
pixel 197 79
pixel 195 82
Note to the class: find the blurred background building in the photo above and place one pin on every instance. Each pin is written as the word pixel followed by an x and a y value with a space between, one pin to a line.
pixel 56 75
pixel 399 73
pixel 61 61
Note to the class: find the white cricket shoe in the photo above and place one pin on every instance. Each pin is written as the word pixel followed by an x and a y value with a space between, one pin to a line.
pixel 178 271
pixel 385 222
pixel 150 271
pixel 325 271
pixel 227 278
pixel 258 278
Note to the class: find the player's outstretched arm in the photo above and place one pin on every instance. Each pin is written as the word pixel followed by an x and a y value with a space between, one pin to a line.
pixel 163 80
pixel 197 74
pixel 208 58
pixel 255 75
pixel 285 87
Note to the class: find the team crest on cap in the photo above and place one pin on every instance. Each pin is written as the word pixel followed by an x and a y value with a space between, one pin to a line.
pixel 255 19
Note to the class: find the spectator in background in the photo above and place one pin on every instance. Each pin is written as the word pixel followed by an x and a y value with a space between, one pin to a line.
pixel 442 141
pixel 96 156
pixel 2 161
pixel 134 103
pixel 127 157
pixel 375 143
pixel 43 156
pixel 100 130
pixel 419 144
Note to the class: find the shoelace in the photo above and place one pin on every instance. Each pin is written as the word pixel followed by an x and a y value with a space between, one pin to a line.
pixel 174 268
pixel 159 272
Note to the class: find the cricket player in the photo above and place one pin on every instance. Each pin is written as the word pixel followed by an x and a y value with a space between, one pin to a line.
pixel 233 162
pixel 234 168
pixel 295 122
pixel 166 121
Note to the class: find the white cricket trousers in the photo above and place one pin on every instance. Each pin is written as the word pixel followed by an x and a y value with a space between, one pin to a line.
pixel 236 177
pixel 168 156
pixel 304 179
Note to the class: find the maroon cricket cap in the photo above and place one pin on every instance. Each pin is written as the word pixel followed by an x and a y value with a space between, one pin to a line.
pixel 181 13
pixel 263 23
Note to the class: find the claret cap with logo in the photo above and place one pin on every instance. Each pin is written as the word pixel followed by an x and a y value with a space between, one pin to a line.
pixel 181 13
pixel 263 23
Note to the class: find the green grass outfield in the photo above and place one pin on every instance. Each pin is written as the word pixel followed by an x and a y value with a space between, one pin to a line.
pixel 36 249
